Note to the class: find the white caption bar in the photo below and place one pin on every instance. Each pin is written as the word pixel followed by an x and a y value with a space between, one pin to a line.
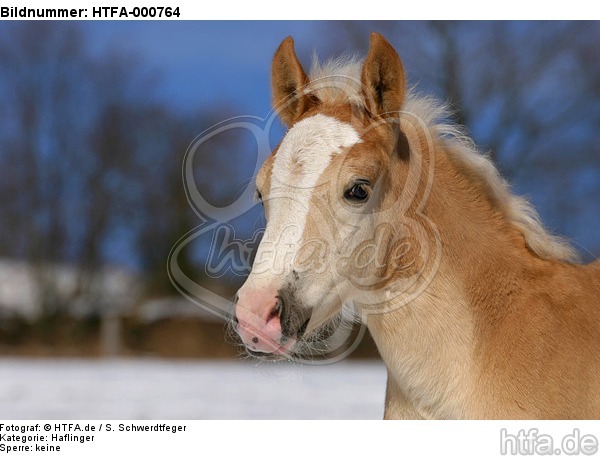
pixel 299 437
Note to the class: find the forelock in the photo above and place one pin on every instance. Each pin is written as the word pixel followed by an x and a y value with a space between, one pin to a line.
pixel 308 147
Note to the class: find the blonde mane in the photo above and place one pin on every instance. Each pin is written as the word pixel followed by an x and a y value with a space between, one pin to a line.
pixel 338 81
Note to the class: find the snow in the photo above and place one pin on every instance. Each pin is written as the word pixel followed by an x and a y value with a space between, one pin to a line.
pixel 17 290
pixel 21 285
pixel 161 389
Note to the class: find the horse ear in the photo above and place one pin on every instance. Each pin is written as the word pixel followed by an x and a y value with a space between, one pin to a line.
pixel 383 80
pixel 287 80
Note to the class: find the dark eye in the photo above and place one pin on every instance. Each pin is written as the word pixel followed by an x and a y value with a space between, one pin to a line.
pixel 358 192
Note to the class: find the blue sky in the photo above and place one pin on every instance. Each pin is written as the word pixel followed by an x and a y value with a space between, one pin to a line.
pixel 208 62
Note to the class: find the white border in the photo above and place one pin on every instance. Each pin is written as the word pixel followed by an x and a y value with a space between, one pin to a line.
pixel 346 10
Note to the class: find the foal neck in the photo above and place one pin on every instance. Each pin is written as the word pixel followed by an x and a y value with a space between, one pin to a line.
pixel 428 344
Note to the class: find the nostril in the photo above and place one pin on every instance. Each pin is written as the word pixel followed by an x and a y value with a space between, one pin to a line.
pixel 276 311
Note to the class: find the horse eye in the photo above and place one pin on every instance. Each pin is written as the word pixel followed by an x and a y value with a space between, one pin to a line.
pixel 358 192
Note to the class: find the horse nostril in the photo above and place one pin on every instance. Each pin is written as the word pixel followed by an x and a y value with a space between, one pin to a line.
pixel 276 310
pixel 278 306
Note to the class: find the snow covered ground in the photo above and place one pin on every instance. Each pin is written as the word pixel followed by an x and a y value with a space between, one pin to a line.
pixel 158 389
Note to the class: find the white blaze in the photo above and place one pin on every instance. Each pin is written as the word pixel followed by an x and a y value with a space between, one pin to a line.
pixel 305 152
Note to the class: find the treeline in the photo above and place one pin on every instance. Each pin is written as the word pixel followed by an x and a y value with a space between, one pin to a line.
pixel 90 162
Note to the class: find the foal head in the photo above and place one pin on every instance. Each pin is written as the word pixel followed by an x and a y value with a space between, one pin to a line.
pixel 327 190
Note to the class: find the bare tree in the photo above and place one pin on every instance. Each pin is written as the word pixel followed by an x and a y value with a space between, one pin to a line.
pixel 91 164
pixel 41 69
